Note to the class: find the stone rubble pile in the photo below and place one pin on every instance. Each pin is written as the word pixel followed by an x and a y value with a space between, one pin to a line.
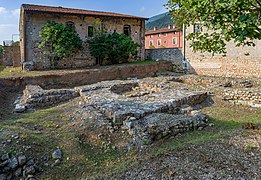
pixel 17 167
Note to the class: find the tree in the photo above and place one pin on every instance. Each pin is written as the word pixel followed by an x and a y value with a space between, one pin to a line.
pixel 59 41
pixel 237 20
pixel 113 47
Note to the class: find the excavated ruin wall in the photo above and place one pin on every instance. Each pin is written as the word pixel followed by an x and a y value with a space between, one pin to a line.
pixel 89 76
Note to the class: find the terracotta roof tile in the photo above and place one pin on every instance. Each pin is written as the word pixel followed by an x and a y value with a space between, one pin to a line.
pixel 162 30
pixel 50 9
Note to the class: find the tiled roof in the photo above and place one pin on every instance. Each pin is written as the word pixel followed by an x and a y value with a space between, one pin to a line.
pixel 162 30
pixel 50 9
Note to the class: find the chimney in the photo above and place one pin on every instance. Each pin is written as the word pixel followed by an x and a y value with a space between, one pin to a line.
pixel 155 28
pixel 170 26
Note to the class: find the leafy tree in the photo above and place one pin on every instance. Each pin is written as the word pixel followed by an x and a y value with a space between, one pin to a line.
pixel 237 20
pixel 59 41
pixel 113 47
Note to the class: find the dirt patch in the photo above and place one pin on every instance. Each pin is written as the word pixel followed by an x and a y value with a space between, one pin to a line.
pixel 230 158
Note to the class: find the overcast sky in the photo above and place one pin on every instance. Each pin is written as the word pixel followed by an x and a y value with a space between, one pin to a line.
pixel 10 9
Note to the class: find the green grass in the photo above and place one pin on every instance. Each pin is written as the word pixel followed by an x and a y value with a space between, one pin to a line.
pixel 7 72
pixel 2 68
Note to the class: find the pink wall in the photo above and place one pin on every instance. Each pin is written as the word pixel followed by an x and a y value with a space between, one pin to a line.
pixel 166 40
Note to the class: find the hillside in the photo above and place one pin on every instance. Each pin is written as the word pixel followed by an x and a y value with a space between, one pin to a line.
pixel 159 21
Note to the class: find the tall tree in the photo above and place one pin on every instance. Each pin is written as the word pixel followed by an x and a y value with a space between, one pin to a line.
pixel 59 41
pixel 225 20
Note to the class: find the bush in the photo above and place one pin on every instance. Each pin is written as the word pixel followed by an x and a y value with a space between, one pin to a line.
pixel 112 48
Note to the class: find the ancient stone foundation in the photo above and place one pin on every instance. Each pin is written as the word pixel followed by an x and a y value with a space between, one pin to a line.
pixel 247 96
pixel 148 109
pixel 36 97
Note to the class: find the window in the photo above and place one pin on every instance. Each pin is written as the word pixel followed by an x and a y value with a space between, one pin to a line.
pixel 70 24
pixel 159 42
pixel 90 31
pixel 197 28
pixel 158 35
pixel 151 43
pixel 174 41
pixel 127 30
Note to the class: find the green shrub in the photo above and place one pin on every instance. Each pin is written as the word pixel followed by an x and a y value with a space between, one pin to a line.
pixel 112 48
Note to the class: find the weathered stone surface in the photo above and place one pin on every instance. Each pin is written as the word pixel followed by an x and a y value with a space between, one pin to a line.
pixel 19 108
pixel 57 154
pixel 18 172
pixel 21 159
pixel 5 157
pixel 29 170
pixel 13 163
pixel 249 96
pixel 159 125
pixel 162 96
pixel 36 97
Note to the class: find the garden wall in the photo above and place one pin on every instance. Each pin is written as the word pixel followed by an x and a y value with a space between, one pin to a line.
pixel 173 55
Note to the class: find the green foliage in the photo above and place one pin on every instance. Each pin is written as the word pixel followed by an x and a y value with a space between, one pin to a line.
pixel 1 50
pixel 152 47
pixel 236 20
pixel 59 41
pixel 112 48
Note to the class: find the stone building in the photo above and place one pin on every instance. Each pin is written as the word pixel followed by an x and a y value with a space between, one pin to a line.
pixel 169 37
pixel 33 18
pixel 238 62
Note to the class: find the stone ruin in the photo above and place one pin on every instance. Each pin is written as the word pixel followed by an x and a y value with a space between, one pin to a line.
pixel 148 109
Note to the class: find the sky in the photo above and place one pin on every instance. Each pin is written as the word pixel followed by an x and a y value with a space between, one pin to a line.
pixel 10 10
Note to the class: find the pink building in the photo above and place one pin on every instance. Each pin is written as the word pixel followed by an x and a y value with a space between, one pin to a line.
pixel 163 38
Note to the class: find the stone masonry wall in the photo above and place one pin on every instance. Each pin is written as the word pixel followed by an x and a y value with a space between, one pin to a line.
pixel 242 62
pixel 174 55
pixel 36 97
pixel 35 21
pixel 11 56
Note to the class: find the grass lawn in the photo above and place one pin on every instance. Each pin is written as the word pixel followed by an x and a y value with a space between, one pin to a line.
pixel 9 72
